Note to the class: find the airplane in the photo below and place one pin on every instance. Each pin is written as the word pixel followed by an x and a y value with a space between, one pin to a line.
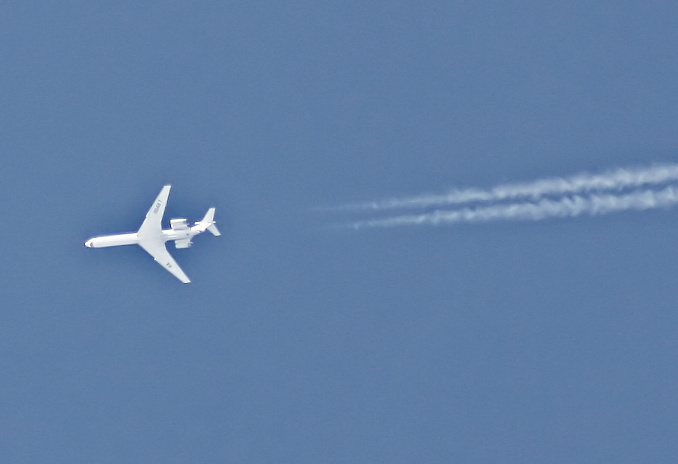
pixel 152 238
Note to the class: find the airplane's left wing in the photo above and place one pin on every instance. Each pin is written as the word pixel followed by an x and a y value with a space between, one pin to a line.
pixel 156 248
pixel 152 225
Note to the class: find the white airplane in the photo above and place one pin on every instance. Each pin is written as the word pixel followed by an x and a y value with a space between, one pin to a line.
pixel 152 238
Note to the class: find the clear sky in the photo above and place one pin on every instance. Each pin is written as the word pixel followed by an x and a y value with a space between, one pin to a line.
pixel 509 341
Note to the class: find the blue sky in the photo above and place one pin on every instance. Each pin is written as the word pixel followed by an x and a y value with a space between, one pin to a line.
pixel 550 341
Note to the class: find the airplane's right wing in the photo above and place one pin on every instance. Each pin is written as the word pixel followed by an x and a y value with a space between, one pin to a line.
pixel 156 248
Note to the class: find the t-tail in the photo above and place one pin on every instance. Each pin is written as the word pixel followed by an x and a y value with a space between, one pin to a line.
pixel 207 223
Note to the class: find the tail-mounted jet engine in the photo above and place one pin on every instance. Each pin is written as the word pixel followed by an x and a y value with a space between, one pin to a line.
pixel 181 225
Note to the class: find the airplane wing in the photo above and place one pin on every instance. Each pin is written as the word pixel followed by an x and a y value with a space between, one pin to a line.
pixel 152 240
pixel 152 225
pixel 156 248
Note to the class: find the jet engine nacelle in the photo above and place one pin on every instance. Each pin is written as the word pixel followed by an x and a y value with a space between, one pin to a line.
pixel 185 243
pixel 179 224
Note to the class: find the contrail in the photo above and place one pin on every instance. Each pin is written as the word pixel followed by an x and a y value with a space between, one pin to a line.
pixel 615 180
pixel 573 206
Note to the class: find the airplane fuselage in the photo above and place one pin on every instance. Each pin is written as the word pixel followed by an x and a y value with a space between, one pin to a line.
pixel 112 240
pixel 133 238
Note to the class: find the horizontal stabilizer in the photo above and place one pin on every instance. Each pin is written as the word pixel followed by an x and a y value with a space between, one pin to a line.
pixel 207 223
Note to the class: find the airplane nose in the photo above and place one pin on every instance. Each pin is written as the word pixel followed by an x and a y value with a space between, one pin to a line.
pixel 88 243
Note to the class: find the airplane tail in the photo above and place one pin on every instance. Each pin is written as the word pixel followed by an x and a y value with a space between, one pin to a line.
pixel 207 223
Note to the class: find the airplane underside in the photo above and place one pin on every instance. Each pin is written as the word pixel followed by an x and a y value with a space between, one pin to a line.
pixel 152 238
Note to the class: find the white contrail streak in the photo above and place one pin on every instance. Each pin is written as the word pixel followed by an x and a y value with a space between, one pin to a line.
pixel 591 205
pixel 615 180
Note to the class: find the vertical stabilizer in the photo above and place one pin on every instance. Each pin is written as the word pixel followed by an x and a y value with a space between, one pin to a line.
pixel 208 222
pixel 209 215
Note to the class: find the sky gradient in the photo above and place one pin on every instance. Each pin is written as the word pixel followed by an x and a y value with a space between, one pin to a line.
pixel 512 341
